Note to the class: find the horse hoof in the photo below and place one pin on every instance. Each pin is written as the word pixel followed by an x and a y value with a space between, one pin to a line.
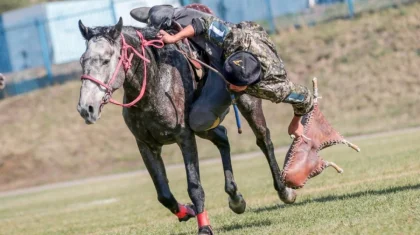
pixel 237 204
pixel 205 230
pixel 190 212
pixel 287 195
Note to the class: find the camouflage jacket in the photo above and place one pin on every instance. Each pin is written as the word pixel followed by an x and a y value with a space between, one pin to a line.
pixel 251 37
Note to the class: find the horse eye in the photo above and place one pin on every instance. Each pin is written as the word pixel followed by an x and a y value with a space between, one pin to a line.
pixel 106 62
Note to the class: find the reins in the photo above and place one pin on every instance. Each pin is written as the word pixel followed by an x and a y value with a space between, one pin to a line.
pixel 125 61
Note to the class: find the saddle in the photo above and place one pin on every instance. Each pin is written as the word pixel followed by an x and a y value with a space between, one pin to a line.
pixel 302 160
pixel 190 50
pixel 191 53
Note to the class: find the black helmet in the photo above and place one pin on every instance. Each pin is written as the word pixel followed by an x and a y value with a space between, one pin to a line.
pixel 242 69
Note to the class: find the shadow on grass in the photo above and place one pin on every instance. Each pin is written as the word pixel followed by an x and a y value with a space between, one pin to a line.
pixel 342 197
pixel 182 233
pixel 228 228
pixel 330 198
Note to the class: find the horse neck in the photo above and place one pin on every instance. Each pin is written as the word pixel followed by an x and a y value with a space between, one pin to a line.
pixel 134 78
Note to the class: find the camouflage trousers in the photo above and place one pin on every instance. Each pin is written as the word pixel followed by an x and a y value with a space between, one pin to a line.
pixel 274 85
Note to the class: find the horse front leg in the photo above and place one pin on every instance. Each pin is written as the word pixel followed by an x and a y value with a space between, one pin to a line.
pixel 188 148
pixel 251 109
pixel 218 136
pixel 153 160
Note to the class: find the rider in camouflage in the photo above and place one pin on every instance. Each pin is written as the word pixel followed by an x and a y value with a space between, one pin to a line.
pixel 250 61
pixel 213 104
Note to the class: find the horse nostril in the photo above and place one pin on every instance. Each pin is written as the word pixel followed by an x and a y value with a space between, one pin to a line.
pixel 90 109
pixel 84 113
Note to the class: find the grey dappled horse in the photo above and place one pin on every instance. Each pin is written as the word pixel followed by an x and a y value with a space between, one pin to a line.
pixel 161 117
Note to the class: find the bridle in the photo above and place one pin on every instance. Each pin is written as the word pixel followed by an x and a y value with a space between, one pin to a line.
pixel 125 61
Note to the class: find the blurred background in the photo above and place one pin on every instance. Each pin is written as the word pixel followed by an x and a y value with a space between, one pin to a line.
pixel 364 52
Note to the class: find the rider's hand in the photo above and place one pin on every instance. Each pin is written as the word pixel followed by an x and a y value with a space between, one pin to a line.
pixel 166 37
pixel 296 127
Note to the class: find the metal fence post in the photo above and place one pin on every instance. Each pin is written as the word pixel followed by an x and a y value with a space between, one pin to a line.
pixel 270 17
pixel 222 9
pixel 44 48
pixel 5 63
pixel 113 12
pixel 351 8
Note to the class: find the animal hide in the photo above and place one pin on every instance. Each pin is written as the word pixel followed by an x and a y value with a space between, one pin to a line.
pixel 302 160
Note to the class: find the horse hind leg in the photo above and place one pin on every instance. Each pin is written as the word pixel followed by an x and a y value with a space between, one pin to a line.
pixel 218 136
pixel 154 164
pixel 251 109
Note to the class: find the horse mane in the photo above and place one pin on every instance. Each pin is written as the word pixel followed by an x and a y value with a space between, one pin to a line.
pixel 149 33
pixel 131 37
pixel 129 32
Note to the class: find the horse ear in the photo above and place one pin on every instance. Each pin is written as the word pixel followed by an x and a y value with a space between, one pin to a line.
pixel 85 31
pixel 116 30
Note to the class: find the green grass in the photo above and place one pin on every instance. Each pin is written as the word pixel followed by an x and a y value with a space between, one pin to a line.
pixel 379 193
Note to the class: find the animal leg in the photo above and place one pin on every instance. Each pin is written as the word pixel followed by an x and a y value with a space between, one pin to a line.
pixel 153 160
pixel 251 109
pixel 188 147
pixel 218 136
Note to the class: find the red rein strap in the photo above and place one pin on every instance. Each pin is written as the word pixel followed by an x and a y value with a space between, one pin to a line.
pixel 125 60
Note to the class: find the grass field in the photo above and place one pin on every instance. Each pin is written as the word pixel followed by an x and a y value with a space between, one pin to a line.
pixel 379 193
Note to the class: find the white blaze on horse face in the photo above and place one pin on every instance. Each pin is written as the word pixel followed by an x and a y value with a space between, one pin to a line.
pixel 99 61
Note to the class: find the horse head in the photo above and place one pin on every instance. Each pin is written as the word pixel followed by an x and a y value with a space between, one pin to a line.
pixel 99 61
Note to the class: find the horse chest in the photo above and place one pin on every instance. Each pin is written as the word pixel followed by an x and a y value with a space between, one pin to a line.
pixel 154 123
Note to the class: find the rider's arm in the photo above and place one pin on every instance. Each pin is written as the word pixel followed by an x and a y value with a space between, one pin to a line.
pixel 295 126
pixel 187 32
pixel 302 102
pixel 197 27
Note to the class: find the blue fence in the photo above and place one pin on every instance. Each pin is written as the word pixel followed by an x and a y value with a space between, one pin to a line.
pixel 39 45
